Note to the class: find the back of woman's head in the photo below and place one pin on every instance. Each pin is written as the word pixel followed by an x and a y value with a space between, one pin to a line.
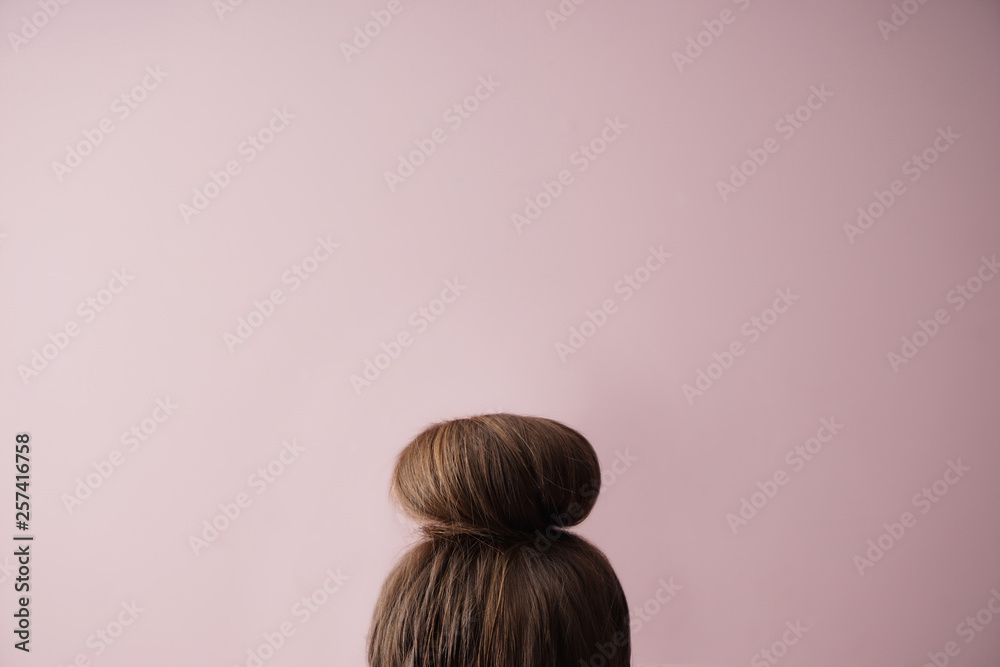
pixel 498 581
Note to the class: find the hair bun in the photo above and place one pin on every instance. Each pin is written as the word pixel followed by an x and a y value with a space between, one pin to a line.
pixel 499 475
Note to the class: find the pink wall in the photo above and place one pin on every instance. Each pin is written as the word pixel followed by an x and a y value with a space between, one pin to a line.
pixel 770 425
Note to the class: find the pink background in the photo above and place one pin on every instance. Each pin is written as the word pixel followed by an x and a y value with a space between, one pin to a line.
pixel 494 348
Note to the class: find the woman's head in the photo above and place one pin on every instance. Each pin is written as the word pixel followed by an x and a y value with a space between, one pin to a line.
pixel 497 579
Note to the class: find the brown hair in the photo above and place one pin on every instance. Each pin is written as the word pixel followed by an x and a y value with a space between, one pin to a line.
pixel 497 581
